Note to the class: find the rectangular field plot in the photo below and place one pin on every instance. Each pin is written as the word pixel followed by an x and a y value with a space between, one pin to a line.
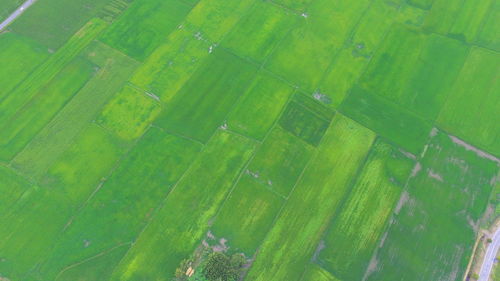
pixel 202 104
pixel 471 111
pixel 247 215
pixel 325 29
pixel 260 106
pixel 48 69
pixel 460 19
pixel 172 64
pixel 259 32
pixel 435 223
pixel 144 26
pixel 129 113
pixel 19 56
pixel 386 119
pixel 356 229
pixel 280 160
pixel 36 113
pixel 57 136
pixel 53 22
pixel 306 119
pixel 488 35
pixel 325 182
pixel 126 201
pixel 415 70
pixel 80 168
pixel 184 217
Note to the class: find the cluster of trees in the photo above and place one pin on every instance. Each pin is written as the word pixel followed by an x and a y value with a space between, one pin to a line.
pixel 218 267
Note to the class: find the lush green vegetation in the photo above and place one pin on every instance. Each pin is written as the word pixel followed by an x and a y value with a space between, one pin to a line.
pixel 284 140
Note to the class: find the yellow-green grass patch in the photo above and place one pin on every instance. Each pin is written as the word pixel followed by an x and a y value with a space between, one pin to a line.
pixel 37 112
pixel 247 215
pixel 360 222
pixel 205 100
pixel 289 246
pixel 184 217
pixel 129 113
pixel 471 111
pixel 259 108
pixel 57 136
pixel 144 26
pixel 263 27
pixel 279 161
pixel 316 273
pixel 19 56
pixel 12 186
pixel 126 202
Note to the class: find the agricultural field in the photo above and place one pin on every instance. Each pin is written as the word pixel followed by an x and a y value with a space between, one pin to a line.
pixel 251 140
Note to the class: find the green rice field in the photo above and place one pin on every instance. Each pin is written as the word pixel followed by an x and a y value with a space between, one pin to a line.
pixel 320 140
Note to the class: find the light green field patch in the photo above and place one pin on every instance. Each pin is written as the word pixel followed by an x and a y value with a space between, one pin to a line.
pixel 144 26
pixel 54 22
pixel 129 113
pixel 80 169
pixel 206 99
pixel 325 29
pixel 183 220
pixel 97 268
pixel 460 19
pixel 414 70
pixel 126 202
pixel 172 64
pixel 19 56
pixel 298 5
pixel 356 229
pixel 299 119
pixel 36 113
pixel 436 222
pixel 247 215
pixel 12 186
pixel 280 161
pixel 386 119
pixel 259 107
pixel 316 273
pixel 57 136
pixel 263 27
pixel 48 69
pixel 471 111
pixel 212 19
pixel 310 207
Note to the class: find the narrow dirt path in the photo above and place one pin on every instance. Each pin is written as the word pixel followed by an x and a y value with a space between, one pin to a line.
pixel 16 14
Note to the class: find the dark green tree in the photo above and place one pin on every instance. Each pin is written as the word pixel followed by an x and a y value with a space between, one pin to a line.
pixel 220 267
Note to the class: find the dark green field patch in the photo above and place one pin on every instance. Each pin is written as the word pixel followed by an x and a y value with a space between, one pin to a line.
pixel 128 199
pixel 144 26
pixel 471 111
pixel 247 215
pixel 259 107
pixel 303 123
pixel 386 119
pixel 357 227
pixel 36 113
pixel 263 27
pixel 279 162
pixel 129 113
pixel 415 70
pixel 19 56
pixel 436 221
pixel 200 107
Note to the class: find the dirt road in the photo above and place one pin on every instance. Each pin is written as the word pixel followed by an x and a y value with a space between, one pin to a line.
pixel 16 14
pixel 489 258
